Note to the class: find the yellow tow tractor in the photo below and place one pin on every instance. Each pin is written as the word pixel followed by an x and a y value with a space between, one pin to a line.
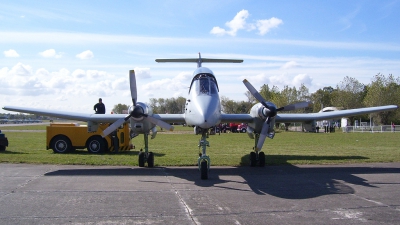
pixel 67 137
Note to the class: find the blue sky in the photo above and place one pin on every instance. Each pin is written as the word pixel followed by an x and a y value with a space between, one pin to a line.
pixel 64 55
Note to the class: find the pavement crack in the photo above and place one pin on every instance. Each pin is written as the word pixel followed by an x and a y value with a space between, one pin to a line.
pixel 188 210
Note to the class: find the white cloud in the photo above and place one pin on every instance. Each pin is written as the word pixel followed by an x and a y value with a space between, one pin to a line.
pixel 264 26
pixel 281 80
pixel 302 79
pixel 85 55
pixel 121 84
pixel 21 70
pixel 290 64
pixel 11 53
pixel 175 87
pixel 79 73
pixel 50 53
pixel 142 73
pixel 96 74
pixel 42 72
pixel 239 23
pixel 218 31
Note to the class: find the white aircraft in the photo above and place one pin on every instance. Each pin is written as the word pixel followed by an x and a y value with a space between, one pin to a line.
pixel 203 110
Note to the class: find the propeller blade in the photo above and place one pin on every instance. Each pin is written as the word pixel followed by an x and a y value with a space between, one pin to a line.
pixel 160 123
pixel 114 126
pixel 132 81
pixel 254 92
pixel 294 106
pixel 263 135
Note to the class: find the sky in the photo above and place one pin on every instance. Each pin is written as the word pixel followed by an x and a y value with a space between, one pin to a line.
pixel 64 55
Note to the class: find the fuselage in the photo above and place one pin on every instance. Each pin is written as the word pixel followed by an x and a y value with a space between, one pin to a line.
pixel 203 107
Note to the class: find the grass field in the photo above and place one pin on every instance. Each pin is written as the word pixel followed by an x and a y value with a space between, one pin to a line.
pixel 230 149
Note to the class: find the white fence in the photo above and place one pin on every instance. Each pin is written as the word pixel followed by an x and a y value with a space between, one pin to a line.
pixel 371 129
pixel 349 129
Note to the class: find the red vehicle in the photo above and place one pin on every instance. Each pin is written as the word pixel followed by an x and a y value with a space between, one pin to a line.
pixel 242 128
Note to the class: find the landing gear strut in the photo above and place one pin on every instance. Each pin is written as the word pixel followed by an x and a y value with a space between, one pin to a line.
pixel 257 156
pixel 204 160
pixel 146 156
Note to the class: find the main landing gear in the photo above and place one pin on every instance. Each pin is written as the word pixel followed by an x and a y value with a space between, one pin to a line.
pixel 257 156
pixel 146 156
pixel 204 160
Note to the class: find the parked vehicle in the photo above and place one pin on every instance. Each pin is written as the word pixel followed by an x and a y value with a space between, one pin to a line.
pixel 3 142
pixel 66 137
pixel 242 128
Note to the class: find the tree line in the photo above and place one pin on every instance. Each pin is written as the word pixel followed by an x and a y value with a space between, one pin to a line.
pixel 348 94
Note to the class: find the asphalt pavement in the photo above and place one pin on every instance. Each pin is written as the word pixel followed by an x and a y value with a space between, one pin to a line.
pixel 61 194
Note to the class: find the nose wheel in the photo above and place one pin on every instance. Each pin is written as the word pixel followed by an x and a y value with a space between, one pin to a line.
pixel 204 167
pixel 204 160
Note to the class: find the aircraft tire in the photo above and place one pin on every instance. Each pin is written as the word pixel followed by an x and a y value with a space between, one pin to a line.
pixel 204 170
pixel 141 159
pixel 253 159
pixel 261 158
pixel 61 144
pixel 150 160
pixel 96 145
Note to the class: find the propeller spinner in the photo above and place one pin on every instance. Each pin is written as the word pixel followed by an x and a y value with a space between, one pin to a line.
pixel 265 131
pixel 137 111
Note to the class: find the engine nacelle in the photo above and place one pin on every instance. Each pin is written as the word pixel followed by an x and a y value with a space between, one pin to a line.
pixel 260 113
pixel 138 123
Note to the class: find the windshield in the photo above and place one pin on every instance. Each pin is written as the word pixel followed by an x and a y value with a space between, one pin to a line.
pixel 204 84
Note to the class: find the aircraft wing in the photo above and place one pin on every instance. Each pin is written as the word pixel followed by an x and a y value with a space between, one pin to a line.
pixel 101 118
pixel 236 118
pixel 303 117
pixel 170 118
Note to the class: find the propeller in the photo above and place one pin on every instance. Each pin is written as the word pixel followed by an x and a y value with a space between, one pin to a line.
pixel 137 111
pixel 265 131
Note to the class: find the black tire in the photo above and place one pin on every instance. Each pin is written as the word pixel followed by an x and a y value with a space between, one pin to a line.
pixel 204 170
pixel 141 159
pixel 253 159
pixel 61 144
pixel 243 130
pixel 96 145
pixel 261 158
pixel 2 148
pixel 150 160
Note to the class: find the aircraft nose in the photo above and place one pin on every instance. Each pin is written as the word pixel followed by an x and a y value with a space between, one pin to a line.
pixel 209 112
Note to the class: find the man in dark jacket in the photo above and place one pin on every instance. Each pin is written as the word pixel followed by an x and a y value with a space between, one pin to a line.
pixel 100 108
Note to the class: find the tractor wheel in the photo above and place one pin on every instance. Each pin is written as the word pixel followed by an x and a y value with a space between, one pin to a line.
pixel 61 144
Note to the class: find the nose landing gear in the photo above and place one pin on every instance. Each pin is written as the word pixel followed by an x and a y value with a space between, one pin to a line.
pixel 204 160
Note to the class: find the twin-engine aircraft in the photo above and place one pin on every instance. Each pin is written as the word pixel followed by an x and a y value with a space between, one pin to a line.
pixel 203 110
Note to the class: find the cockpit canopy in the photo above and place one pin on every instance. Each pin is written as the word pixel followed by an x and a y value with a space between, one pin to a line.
pixel 204 84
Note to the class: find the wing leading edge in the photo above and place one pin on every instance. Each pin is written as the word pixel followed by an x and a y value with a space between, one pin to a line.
pixel 100 118
pixel 303 117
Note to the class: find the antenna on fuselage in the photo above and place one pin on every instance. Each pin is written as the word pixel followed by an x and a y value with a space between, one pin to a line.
pixel 200 60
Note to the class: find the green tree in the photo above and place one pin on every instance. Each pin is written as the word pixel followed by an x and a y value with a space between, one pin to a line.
pixel 350 94
pixel 384 91
pixel 119 108
pixel 322 98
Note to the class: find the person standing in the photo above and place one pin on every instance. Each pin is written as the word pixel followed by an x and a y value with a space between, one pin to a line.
pixel 100 108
